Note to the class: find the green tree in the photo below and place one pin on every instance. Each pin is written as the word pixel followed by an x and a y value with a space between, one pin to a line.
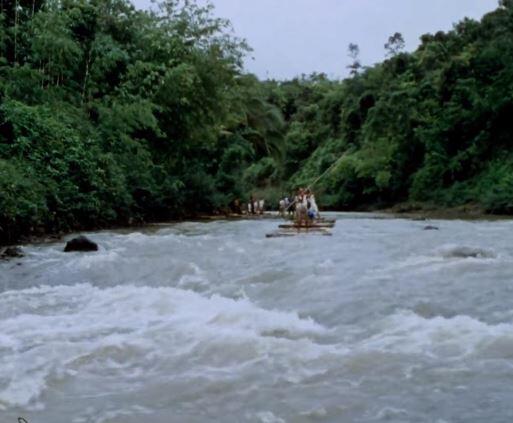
pixel 395 44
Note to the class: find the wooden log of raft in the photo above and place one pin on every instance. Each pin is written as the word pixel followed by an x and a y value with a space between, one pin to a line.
pixel 323 220
pixel 320 220
pixel 313 225
pixel 299 231
pixel 281 234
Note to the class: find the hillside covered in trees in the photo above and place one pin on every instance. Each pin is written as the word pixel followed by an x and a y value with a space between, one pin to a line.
pixel 112 115
pixel 434 126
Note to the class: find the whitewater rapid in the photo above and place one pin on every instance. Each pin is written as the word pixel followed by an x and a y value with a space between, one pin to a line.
pixel 201 322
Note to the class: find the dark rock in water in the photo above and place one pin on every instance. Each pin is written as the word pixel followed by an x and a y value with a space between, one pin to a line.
pixel 11 252
pixel 431 228
pixel 81 243
pixel 462 251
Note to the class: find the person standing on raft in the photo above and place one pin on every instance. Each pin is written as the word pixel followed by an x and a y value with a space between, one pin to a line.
pixel 301 208
pixel 251 205
pixel 313 210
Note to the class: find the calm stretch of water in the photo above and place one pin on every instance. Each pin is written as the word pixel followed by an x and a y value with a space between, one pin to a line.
pixel 212 322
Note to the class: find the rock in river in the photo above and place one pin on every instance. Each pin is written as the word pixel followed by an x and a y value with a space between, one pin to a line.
pixel 11 252
pixel 80 243
pixel 431 228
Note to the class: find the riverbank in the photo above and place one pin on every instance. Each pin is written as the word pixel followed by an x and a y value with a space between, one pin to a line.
pixel 425 211
pixel 51 237
pixel 414 211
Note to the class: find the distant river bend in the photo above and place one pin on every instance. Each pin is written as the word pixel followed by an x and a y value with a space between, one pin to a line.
pixel 204 322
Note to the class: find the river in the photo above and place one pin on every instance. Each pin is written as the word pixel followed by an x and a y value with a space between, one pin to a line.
pixel 212 322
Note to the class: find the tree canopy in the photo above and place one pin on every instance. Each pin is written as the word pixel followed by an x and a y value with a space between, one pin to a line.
pixel 429 126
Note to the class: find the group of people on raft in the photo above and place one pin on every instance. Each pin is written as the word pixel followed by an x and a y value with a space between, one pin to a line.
pixel 304 207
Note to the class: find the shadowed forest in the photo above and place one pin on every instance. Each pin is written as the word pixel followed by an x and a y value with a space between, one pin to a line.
pixel 111 115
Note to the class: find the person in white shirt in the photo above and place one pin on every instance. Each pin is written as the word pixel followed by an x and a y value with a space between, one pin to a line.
pixel 313 210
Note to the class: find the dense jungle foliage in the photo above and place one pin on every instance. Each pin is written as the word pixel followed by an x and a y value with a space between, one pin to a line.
pixel 112 115
pixel 434 126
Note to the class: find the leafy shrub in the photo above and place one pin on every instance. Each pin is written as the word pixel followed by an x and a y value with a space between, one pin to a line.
pixel 22 202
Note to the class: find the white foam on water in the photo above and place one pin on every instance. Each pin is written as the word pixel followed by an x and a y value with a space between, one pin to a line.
pixel 90 260
pixel 124 332
pixel 148 240
pixel 438 258
pixel 69 347
pixel 409 263
pixel 268 417
pixel 196 279
pixel 443 338
pixel 391 414
pixel 324 266
pixel 135 237
pixel 316 413
pixel 96 416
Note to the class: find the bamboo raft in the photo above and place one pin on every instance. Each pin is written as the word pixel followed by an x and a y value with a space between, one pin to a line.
pixel 317 227
pixel 294 232
pixel 312 226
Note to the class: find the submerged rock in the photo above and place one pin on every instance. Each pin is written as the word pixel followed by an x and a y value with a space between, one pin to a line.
pixel 80 243
pixel 431 228
pixel 461 251
pixel 11 252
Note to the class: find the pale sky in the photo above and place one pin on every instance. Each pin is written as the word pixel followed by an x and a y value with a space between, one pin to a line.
pixel 292 37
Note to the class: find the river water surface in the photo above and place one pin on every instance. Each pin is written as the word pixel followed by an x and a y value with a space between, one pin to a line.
pixel 212 322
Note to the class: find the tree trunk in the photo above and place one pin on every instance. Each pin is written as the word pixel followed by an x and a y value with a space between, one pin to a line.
pixel 86 74
pixel 15 32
